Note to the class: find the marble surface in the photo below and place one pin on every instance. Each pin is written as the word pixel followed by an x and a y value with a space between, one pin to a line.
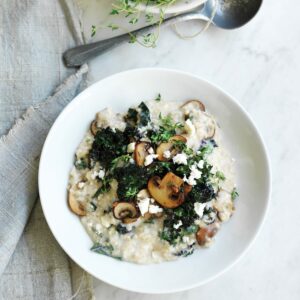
pixel 258 64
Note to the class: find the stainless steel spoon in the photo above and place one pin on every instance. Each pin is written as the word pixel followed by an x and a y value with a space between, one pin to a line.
pixel 229 14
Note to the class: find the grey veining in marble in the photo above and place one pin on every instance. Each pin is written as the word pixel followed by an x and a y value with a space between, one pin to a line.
pixel 259 65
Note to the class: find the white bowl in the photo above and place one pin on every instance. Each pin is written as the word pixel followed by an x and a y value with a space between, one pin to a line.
pixel 119 92
pixel 178 7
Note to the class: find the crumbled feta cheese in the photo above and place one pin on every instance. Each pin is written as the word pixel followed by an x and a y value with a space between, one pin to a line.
pixel 167 154
pixel 154 209
pixel 149 159
pixel 80 185
pixel 189 127
pixel 142 194
pixel 131 160
pixel 150 150
pixel 180 159
pixel 101 174
pixel 188 240
pixel 152 200
pixel 199 208
pixel 176 226
pixel 213 170
pixel 143 205
pixel 94 175
pixel 200 164
pixel 195 173
pixel 131 147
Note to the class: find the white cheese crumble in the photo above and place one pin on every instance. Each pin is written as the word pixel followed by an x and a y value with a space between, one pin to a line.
pixel 180 159
pixel 143 205
pixel 131 147
pixel 154 209
pixel 199 208
pixel 167 154
pixel 189 127
pixel 195 174
pixel 200 164
pixel 101 174
pixel 150 150
pixel 149 159
pixel 80 185
pixel 176 226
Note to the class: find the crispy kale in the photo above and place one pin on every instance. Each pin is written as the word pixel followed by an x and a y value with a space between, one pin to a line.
pixel 131 180
pixel 108 145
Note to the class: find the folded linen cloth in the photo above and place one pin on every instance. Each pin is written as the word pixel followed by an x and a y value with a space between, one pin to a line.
pixel 33 34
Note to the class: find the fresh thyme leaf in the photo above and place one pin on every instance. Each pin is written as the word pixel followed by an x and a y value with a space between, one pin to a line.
pixel 113 26
pixel 93 30
pixel 104 188
pixel 220 175
pixel 132 38
pixel 133 20
pixel 234 194
pixel 114 12
pixel 158 98
pixel 149 17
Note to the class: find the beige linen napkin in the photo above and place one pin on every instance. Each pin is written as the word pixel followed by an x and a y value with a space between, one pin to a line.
pixel 33 34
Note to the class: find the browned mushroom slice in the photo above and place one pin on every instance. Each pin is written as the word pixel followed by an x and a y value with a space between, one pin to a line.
pixel 204 234
pixel 140 152
pixel 94 127
pixel 168 192
pixel 192 105
pixel 186 189
pixel 123 210
pixel 169 146
pixel 129 220
pixel 75 206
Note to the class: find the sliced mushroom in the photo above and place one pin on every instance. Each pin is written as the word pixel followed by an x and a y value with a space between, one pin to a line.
pixel 75 206
pixel 124 210
pixel 224 205
pixel 140 152
pixel 204 234
pixel 168 192
pixel 94 128
pixel 192 105
pixel 210 126
pixel 186 189
pixel 129 220
pixel 169 146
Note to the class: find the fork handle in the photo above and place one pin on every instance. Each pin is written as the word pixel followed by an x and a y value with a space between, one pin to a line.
pixel 79 55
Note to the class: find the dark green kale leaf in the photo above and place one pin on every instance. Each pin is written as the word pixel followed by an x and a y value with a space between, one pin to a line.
pixel 122 229
pixel 104 250
pixel 131 117
pixel 202 193
pixel 108 145
pixel 131 180
pixel 144 115
pixel 186 214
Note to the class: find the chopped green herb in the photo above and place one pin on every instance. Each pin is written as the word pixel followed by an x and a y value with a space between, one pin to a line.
pixel 220 175
pixel 144 114
pixel 104 188
pixel 158 98
pixel 93 30
pixel 113 26
pixel 81 164
pixel 234 194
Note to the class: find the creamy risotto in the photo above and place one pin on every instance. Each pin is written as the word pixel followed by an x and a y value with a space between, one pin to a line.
pixel 152 184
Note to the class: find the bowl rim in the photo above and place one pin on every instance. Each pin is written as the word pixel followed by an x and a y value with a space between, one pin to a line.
pixel 231 99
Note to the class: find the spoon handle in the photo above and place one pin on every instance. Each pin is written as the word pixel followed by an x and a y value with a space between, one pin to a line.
pixel 79 55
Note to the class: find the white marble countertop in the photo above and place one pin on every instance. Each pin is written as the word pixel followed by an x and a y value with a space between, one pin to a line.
pixel 258 64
